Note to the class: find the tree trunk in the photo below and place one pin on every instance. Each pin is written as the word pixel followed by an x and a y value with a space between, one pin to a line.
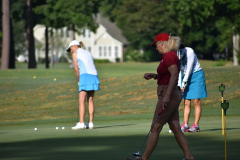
pixel 46 48
pixel 6 33
pixel 72 32
pixel 226 53
pixel 52 49
pixel 235 47
pixel 30 38
pixel 12 48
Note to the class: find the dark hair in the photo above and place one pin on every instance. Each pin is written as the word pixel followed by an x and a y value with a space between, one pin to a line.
pixel 181 46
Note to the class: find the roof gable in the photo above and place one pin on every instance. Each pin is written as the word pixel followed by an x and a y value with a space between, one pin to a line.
pixel 111 28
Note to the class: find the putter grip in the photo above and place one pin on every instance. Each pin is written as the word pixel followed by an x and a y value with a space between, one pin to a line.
pixel 160 111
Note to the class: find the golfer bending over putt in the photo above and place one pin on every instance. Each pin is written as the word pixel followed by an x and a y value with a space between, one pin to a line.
pixel 88 82
pixel 169 94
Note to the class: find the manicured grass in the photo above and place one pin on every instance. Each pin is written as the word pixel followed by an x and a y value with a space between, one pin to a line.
pixel 124 107
pixel 114 140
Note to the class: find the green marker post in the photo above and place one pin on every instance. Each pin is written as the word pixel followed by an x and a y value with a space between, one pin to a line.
pixel 222 89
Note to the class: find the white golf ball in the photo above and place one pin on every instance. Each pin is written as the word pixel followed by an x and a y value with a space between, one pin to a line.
pixel 57 128
pixel 170 131
pixel 63 127
pixel 35 129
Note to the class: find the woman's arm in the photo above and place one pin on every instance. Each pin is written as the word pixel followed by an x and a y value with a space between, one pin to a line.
pixel 190 63
pixel 172 83
pixel 148 76
pixel 75 64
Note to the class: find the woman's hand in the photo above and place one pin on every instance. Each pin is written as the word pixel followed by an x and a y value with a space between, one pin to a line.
pixel 182 89
pixel 165 100
pixel 148 76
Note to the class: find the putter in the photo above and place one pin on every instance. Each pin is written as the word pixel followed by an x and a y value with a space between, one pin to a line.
pixel 78 115
pixel 137 155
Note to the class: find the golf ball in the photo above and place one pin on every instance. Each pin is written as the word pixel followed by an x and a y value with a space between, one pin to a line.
pixel 56 128
pixel 63 127
pixel 35 129
pixel 170 131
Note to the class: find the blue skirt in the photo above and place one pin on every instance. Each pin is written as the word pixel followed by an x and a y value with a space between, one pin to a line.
pixel 196 86
pixel 88 82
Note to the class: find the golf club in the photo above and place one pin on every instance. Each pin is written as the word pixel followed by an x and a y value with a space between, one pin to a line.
pixel 78 115
pixel 138 154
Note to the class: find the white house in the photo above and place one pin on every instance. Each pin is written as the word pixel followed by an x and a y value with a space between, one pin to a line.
pixel 107 43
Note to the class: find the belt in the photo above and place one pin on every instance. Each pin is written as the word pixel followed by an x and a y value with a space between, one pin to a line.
pixel 177 87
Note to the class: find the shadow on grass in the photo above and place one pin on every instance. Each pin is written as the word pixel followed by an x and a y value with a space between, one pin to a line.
pixel 218 129
pixel 114 148
pixel 114 126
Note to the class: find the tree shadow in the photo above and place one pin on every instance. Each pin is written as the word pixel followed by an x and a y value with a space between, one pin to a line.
pixel 114 126
pixel 115 147
pixel 218 129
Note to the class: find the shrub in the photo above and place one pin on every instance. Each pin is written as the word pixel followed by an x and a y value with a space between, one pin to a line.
pixel 101 61
pixel 221 62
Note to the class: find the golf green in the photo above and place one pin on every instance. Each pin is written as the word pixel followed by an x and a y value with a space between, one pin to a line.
pixel 123 113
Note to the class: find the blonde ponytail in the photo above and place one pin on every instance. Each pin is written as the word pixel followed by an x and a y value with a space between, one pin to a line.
pixel 82 44
pixel 173 43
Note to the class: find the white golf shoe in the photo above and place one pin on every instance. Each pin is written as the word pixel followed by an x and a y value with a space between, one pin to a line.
pixel 89 125
pixel 79 126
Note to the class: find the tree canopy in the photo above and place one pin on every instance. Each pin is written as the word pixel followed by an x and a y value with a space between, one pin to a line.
pixel 208 26
pixel 205 25
pixel 62 13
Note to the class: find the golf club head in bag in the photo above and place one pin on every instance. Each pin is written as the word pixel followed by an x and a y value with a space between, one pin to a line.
pixel 137 155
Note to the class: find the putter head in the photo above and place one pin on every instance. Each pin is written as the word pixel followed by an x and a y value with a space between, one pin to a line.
pixel 137 154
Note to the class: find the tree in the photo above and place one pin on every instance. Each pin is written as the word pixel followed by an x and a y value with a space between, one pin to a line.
pixel 108 8
pixel 18 18
pixel 208 25
pixel 6 33
pixel 78 14
pixel 228 22
pixel 46 49
pixel 30 39
pixel 12 48
pixel 141 21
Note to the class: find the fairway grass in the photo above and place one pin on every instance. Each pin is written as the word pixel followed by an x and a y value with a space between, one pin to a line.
pixel 123 114
pixel 114 140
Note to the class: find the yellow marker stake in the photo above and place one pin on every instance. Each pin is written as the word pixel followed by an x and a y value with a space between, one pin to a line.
pixel 225 106
pixel 222 120
pixel 225 138
pixel 222 89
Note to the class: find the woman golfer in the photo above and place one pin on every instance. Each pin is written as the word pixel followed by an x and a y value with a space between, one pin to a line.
pixel 193 86
pixel 169 94
pixel 88 81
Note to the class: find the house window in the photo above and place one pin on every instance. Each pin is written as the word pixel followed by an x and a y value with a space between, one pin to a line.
pixel 105 51
pixel 109 51
pixel 100 51
pixel 116 52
